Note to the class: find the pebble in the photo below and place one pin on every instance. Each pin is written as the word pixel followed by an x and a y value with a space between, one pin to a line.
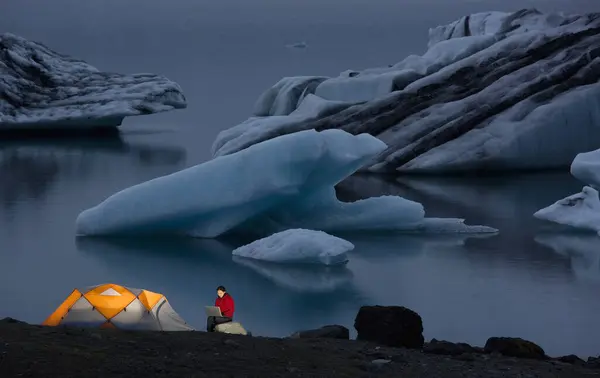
pixel 381 361
pixel 465 357
pixel 231 343
pixel 96 336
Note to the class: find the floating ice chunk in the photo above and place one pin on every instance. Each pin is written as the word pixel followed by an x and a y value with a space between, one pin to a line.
pixel 323 211
pixel 586 167
pixel 214 197
pixel 581 210
pixel 297 45
pixel 451 226
pixel 42 89
pixel 298 246
pixel 286 182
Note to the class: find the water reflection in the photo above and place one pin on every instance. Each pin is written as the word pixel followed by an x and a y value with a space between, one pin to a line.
pixel 504 202
pixel 277 301
pixel 29 167
pixel 583 250
pixel 298 277
pixel 497 198
pixel 377 247
pixel 499 285
pixel 24 176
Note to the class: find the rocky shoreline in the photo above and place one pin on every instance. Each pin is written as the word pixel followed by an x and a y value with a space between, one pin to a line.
pixel 388 345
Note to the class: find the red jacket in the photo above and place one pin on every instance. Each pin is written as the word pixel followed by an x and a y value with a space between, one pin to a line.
pixel 226 305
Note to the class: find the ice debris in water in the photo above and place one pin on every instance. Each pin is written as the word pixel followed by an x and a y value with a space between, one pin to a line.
pixel 286 182
pixel 298 246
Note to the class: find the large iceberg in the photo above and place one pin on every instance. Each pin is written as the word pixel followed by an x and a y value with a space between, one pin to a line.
pixel 286 182
pixel 586 168
pixel 494 90
pixel 580 210
pixel 40 88
pixel 298 246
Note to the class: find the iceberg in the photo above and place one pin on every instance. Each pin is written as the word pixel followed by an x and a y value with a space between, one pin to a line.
pixel 494 91
pixel 310 107
pixel 298 246
pixel 43 89
pixel 586 168
pixel 282 183
pixel 580 210
pixel 283 98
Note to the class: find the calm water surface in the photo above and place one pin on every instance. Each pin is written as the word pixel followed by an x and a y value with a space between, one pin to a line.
pixel 533 280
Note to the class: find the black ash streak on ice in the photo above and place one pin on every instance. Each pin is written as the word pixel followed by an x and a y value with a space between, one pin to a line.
pixel 533 72
pixel 40 87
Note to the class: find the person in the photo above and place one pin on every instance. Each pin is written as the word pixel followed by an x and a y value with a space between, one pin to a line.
pixel 225 302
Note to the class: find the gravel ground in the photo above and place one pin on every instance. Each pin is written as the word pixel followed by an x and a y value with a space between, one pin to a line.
pixel 36 351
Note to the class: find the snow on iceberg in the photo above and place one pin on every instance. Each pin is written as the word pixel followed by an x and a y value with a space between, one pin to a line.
pixel 284 97
pixel 41 88
pixel 586 168
pixel 272 186
pixel 580 210
pixel 495 90
pixel 310 107
pixel 298 246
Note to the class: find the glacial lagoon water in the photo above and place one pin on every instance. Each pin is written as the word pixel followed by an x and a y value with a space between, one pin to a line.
pixel 533 280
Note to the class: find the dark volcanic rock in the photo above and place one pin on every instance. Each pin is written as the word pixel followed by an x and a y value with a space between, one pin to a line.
pixel 448 348
pixel 394 326
pixel 571 359
pixel 514 347
pixel 593 362
pixel 11 320
pixel 326 332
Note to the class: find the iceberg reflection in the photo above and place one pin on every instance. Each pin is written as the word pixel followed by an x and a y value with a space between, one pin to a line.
pixel 299 277
pixel 582 249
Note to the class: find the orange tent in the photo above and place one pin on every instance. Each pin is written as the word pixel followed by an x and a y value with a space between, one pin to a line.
pixel 116 306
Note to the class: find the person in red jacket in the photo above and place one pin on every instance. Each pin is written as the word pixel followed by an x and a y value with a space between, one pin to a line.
pixel 225 302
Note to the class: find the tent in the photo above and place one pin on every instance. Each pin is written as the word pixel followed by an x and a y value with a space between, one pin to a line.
pixel 116 306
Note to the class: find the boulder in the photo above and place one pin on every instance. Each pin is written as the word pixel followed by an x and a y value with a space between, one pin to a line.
pixel 571 359
pixel 448 348
pixel 11 321
pixel 233 328
pixel 514 347
pixel 326 332
pixel 593 362
pixel 394 326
